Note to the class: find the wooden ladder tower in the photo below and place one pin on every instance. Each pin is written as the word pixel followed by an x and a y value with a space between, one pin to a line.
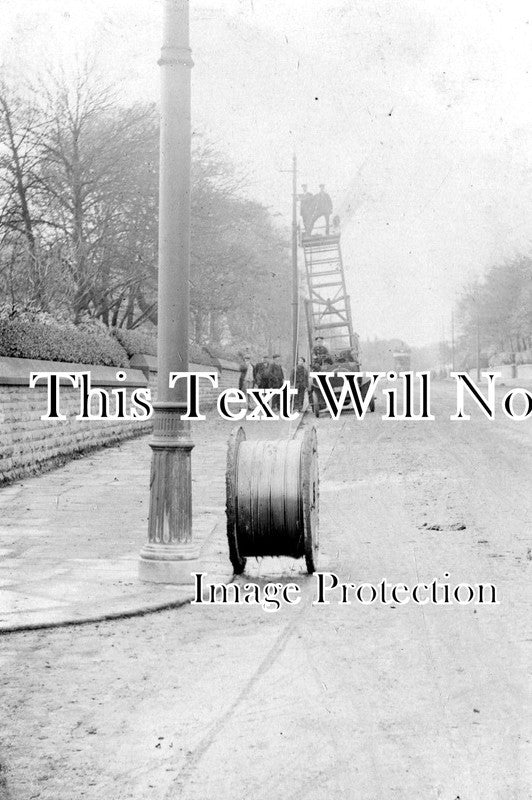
pixel 328 307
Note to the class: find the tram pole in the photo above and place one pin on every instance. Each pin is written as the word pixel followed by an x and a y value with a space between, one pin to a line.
pixel 452 340
pixel 169 556
pixel 295 273
pixel 478 346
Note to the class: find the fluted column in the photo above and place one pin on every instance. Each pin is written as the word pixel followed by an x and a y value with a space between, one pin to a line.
pixel 170 554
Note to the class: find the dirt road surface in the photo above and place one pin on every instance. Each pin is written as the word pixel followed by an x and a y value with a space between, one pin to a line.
pixel 312 702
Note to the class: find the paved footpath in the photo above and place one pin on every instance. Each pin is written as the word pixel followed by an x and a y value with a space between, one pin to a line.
pixel 70 539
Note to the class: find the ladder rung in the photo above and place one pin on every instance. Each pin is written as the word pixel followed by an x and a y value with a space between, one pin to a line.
pixel 324 274
pixel 322 247
pixel 332 336
pixel 342 312
pixel 330 297
pixel 320 237
pixel 315 255
pixel 320 301
pixel 331 257
pixel 328 301
pixel 323 262
pixel 332 325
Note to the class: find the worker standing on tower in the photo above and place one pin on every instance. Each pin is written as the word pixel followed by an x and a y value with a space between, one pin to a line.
pixel 307 206
pixel 323 207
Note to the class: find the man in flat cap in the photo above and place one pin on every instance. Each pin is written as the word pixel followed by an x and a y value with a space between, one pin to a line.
pixel 301 381
pixel 276 379
pixel 247 373
pixel 319 352
pixel 262 373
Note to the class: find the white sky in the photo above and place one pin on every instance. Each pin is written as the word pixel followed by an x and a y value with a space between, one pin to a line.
pixel 415 113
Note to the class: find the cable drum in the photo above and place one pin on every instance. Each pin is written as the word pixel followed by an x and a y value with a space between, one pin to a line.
pixel 272 498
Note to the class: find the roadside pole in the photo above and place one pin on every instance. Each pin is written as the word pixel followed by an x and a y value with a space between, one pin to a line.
pixel 295 273
pixel 452 340
pixel 170 555
pixel 478 347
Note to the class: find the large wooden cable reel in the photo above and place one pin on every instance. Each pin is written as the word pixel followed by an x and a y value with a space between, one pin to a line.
pixel 310 497
pixel 272 498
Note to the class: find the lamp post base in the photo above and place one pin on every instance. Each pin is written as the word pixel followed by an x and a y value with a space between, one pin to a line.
pixel 170 555
pixel 171 563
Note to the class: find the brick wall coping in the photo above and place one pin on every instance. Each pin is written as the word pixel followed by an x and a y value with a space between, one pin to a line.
pixel 16 372
pixel 143 361
pixel 232 365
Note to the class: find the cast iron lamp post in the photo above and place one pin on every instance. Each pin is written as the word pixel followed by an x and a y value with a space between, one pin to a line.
pixel 169 556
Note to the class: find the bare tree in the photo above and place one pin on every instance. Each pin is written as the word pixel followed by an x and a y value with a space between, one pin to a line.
pixel 21 130
pixel 498 310
pixel 80 189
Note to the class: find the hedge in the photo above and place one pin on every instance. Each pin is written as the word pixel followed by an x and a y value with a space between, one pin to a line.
pixel 520 357
pixel 21 337
pixel 44 338
pixel 523 357
pixel 218 351
pixel 134 341
pixel 497 359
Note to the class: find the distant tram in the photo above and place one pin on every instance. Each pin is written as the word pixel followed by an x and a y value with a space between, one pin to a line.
pixel 401 360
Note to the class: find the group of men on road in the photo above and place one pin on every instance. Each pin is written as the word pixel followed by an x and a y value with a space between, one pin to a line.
pixel 269 374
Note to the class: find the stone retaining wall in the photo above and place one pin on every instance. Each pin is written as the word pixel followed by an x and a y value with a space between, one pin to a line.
pixel 27 443
pixel 511 374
